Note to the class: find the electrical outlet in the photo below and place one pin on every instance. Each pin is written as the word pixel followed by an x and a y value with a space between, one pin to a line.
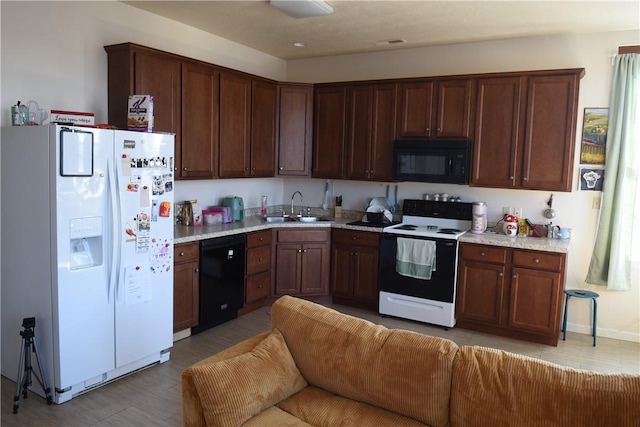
pixel 595 203
pixel 506 210
pixel 517 212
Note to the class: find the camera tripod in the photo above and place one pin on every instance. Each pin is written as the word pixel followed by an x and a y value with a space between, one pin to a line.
pixel 24 377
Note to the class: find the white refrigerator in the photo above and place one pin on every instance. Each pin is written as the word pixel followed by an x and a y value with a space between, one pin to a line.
pixel 87 249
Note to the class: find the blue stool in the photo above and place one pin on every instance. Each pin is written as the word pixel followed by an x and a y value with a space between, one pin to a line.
pixel 579 293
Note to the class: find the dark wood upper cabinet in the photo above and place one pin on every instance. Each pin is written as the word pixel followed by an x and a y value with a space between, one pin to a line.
pixel 235 125
pixel 435 108
pixel 200 121
pixel 525 131
pixel 264 106
pixel 295 129
pixel 329 132
pixel 371 118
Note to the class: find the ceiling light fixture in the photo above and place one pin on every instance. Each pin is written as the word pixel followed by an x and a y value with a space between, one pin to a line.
pixel 303 8
pixel 299 44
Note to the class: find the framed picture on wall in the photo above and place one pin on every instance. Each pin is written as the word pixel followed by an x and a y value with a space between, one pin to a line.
pixel 594 136
pixel 591 179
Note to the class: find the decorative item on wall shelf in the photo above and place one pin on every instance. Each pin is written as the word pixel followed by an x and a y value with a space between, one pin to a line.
pixel 591 179
pixel 594 136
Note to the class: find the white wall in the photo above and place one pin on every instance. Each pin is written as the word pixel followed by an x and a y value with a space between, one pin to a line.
pixel 52 52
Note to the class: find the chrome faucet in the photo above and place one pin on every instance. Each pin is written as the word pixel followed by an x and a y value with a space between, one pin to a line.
pixel 294 195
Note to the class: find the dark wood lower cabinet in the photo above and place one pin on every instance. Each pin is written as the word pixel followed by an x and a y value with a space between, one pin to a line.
pixel 186 285
pixel 302 262
pixel 354 268
pixel 510 292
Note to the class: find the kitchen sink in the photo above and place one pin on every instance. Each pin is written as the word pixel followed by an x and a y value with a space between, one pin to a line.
pixel 276 219
pixel 299 218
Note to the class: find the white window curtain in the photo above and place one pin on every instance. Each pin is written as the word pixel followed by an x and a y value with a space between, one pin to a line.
pixel 612 255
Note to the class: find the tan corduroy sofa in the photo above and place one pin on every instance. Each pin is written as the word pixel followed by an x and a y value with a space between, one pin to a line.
pixel 318 367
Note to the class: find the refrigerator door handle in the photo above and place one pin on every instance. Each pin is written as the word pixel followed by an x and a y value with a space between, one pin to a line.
pixel 115 237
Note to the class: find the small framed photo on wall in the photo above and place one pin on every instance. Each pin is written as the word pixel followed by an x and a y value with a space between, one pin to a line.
pixel 591 179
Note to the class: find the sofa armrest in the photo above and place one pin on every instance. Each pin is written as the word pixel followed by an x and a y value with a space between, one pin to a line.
pixel 192 413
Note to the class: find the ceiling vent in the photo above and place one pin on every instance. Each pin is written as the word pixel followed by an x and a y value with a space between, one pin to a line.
pixel 303 8
pixel 389 42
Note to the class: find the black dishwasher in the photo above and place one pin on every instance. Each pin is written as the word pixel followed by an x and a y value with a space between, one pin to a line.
pixel 221 280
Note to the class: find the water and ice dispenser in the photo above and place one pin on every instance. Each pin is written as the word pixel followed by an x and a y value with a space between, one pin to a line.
pixel 85 237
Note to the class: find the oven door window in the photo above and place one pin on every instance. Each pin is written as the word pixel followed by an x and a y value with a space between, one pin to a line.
pixel 441 286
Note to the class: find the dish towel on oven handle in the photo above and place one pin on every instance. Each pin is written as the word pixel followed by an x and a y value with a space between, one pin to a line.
pixel 416 258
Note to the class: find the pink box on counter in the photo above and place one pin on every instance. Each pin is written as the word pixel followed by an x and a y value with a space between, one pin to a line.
pixel 224 210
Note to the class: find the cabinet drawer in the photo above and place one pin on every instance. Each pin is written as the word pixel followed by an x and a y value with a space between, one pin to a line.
pixel 483 253
pixel 258 286
pixel 259 238
pixel 358 238
pixel 538 260
pixel 258 259
pixel 186 252
pixel 302 236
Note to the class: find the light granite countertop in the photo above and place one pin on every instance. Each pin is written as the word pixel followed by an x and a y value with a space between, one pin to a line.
pixel 185 234
pixel 533 243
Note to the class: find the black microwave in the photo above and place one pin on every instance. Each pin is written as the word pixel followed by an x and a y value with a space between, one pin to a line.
pixel 432 160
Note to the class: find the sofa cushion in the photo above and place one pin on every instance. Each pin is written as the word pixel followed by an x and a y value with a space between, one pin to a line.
pixel 323 409
pixel 234 390
pixel 493 387
pixel 400 371
pixel 275 417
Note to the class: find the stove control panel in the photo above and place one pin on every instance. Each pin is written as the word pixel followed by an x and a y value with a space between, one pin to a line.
pixel 433 209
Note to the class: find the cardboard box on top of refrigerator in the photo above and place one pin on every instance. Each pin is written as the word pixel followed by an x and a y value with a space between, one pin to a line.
pixel 140 113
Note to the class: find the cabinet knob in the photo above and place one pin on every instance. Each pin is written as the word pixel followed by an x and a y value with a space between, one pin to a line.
pixel 260 259
pixel 261 239
pixel 197 270
pixel 536 260
pixel 184 168
pixel 260 286
pixel 511 177
pixel 482 254
pixel 246 169
pixel 299 251
pixel 354 238
pixel 305 251
pixel 438 130
pixel 281 168
pixel 501 274
pixel 525 179
pixel 428 131
pixel 181 253
pixel 515 276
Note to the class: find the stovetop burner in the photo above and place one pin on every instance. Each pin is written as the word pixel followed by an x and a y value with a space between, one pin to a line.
pixel 407 227
pixel 448 231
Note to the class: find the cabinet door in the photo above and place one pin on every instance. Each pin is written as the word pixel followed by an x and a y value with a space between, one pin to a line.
pixel 315 269
pixel 295 122
pixel 199 151
pixel 454 108
pixel 235 124
pixel 329 132
pixel 288 260
pixel 535 296
pixel 263 128
pixel 341 278
pixel 481 292
pixel 159 75
pixel 185 296
pixel 365 266
pixel 359 132
pixel 550 132
pixel 497 153
pixel 383 132
pixel 415 109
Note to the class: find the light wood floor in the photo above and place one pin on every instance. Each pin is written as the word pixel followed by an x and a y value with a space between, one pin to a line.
pixel 152 397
